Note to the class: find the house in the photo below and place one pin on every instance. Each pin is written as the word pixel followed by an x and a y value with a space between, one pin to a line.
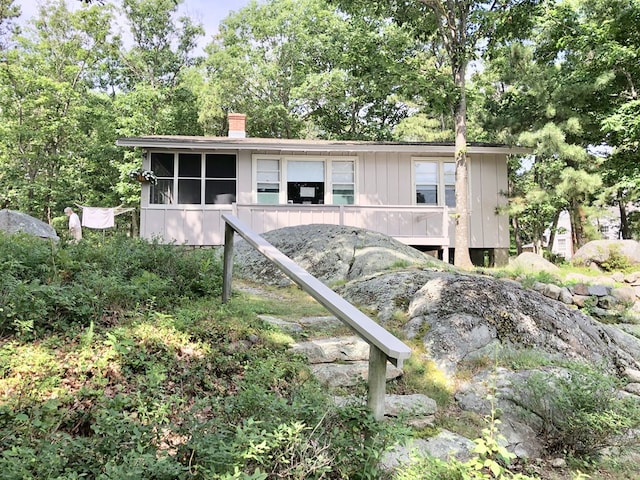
pixel 404 190
pixel 607 221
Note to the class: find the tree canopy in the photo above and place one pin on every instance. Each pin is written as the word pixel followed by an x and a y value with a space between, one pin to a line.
pixel 558 76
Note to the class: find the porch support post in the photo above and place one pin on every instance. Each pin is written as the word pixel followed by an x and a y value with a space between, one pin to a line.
pixel 445 234
pixel 227 271
pixel 377 381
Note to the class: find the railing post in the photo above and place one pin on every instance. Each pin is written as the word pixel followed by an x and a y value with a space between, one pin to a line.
pixel 445 234
pixel 227 271
pixel 377 381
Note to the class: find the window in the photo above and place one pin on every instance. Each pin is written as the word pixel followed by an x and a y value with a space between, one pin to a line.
pixel 196 178
pixel 268 177
pixel 435 182
pixel 343 182
pixel 449 184
pixel 304 180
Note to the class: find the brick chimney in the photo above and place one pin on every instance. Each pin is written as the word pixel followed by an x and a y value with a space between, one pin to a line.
pixel 237 122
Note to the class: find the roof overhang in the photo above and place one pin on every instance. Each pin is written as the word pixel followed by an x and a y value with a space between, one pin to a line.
pixel 294 145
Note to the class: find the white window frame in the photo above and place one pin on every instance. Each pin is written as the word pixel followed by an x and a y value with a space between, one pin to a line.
pixel 283 163
pixel 440 186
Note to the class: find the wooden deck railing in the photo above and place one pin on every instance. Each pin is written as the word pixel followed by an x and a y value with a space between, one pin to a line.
pixel 383 346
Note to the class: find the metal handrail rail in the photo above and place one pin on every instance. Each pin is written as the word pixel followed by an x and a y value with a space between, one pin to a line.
pixel 383 346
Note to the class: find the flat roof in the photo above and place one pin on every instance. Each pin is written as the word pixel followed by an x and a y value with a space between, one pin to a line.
pixel 287 144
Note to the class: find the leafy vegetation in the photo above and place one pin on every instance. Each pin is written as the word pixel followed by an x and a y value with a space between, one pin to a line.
pixel 579 409
pixel 143 373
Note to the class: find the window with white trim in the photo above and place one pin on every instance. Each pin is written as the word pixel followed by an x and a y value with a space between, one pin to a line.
pixel 188 178
pixel 304 180
pixel 268 178
pixel 435 182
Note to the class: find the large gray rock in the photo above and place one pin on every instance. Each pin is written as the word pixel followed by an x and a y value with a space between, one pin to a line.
pixel 331 253
pixel 445 445
pixel 529 262
pixel 467 316
pixel 600 251
pixel 384 293
pixel 12 222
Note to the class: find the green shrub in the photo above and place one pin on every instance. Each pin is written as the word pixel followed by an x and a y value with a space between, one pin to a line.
pixel 49 287
pixel 616 261
pixel 579 409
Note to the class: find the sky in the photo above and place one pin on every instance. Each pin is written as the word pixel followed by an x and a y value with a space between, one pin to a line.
pixel 207 12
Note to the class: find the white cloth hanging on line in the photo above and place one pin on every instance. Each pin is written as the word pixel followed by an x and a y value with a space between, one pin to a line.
pixel 93 217
pixel 96 217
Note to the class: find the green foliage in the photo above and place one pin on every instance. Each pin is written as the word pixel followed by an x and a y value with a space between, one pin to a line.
pixel 490 461
pixel 579 409
pixel 616 261
pixel 193 390
pixel 52 288
pixel 309 71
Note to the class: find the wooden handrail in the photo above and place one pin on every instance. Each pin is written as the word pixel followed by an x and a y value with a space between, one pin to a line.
pixel 383 345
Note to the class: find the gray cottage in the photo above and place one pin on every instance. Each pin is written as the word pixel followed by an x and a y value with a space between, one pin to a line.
pixel 404 190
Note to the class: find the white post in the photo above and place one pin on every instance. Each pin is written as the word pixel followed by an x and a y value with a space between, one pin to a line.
pixel 377 381
pixel 227 271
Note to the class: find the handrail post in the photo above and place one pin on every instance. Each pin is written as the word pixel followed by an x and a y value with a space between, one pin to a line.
pixel 377 381
pixel 227 271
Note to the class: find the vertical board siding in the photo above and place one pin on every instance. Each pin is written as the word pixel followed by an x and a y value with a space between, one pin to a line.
pixel 245 179
pixel 502 170
pixel 394 182
pixel 384 202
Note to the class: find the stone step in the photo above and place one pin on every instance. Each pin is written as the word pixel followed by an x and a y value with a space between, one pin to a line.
pixel 348 374
pixel 334 349
pixel 411 406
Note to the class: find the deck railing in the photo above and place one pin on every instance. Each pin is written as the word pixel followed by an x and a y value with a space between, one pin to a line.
pixel 383 346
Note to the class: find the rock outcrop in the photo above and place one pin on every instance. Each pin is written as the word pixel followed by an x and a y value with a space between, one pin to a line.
pixel 462 319
pixel 599 252
pixel 331 253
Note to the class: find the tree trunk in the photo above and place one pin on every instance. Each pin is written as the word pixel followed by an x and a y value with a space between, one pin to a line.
pixel 516 234
pixel 578 220
pixel 625 229
pixel 462 259
pixel 554 228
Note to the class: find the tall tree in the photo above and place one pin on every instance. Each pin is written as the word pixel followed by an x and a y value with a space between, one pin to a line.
pixel 49 111
pixel 8 12
pixel 575 77
pixel 155 94
pixel 459 27
pixel 300 68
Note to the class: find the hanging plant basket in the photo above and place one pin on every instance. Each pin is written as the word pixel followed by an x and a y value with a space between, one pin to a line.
pixel 143 176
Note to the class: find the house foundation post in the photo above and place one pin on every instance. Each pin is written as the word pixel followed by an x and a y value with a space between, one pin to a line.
pixel 227 271
pixel 500 257
pixel 377 381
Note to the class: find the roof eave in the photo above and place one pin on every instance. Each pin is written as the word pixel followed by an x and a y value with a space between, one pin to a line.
pixel 328 146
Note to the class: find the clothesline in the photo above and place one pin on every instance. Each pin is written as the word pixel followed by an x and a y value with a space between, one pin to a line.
pixel 97 217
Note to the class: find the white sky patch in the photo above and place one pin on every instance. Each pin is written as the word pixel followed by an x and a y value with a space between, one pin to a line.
pixel 209 13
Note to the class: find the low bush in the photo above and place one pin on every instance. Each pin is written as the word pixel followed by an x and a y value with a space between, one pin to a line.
pixel 579 409
pixel 49 287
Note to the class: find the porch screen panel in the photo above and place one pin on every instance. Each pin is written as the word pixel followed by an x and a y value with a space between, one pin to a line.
pixel 220 179
pixel 163 165
pixel 342 182
pixel 426 178
pixel 189 178
pixel 268 176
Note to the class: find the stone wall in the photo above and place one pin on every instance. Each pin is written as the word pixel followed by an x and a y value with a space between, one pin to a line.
pixel 608 298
